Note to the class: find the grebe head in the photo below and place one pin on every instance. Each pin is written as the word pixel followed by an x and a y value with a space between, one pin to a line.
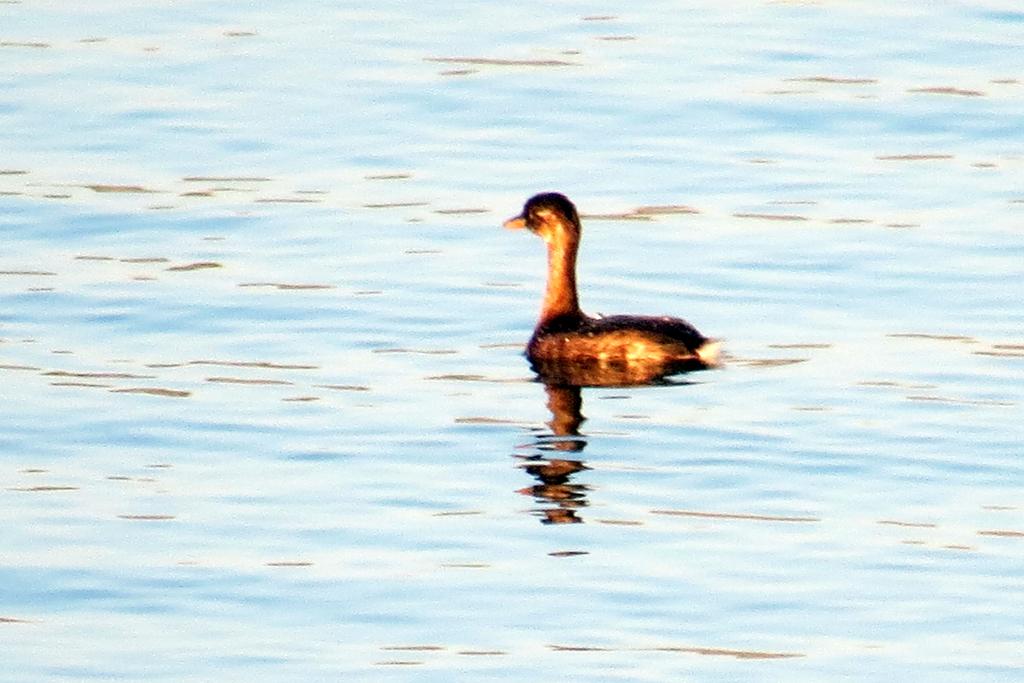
pixel 547 215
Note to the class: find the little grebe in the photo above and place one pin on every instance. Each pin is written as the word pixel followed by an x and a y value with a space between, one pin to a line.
pixel 648 347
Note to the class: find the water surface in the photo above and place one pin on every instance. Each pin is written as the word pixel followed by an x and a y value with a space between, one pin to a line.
pixel 265 413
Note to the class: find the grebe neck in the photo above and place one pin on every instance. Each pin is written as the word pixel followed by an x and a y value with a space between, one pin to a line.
pixel 560 296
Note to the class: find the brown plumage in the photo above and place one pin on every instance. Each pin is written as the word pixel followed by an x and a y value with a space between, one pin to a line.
pixel 625 349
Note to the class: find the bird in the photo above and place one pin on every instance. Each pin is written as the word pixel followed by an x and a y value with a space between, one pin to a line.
pixel 571 346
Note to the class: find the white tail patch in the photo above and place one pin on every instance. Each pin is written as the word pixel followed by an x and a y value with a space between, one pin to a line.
pixel 708 353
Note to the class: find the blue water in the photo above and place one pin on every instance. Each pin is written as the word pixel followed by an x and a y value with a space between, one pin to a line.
pixel 264 410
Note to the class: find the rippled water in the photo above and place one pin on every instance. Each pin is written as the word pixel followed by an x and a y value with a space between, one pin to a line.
pixel 265 413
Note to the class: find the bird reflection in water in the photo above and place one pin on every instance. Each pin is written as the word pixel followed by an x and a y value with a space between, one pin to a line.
pixel 562 498
pixel 558 452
